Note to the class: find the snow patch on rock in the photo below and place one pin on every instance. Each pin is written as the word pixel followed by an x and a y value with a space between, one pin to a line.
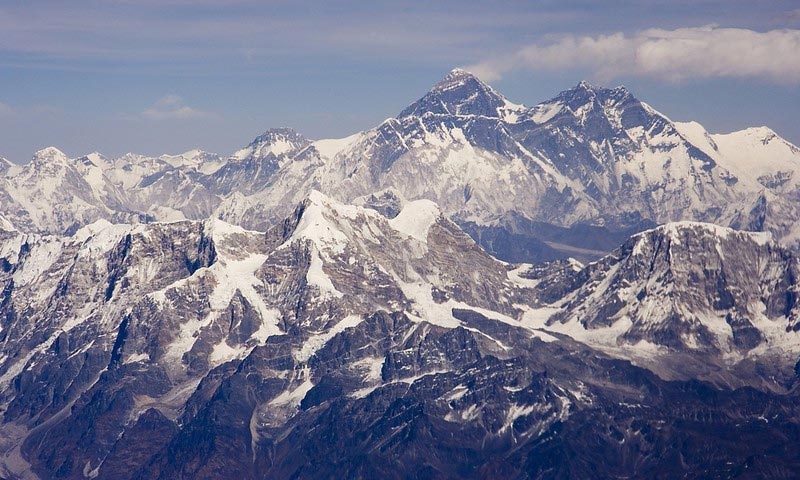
pixel 416 219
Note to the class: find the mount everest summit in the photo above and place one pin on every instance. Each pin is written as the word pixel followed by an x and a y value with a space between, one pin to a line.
pixel 346 308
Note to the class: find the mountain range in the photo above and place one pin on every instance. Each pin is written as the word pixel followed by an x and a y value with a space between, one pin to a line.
pixel 570 177
pixel 406 302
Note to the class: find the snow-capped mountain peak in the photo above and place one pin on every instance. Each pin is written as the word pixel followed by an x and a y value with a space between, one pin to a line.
pixel 97 159
pixel 49 155
pixel 581 93
pixel 317 222
pixel 586 96
pixel 455 79
pixel 763 135
pixel 687 287
pixel 585 90
pixel 275 141
pixel 461 93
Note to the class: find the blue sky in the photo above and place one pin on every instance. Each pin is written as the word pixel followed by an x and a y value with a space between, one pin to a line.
pixel 167 76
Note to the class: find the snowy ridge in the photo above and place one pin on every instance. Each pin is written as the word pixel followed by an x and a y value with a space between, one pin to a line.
pixel 316 223
pixel 759 152
pixel 275 142
pixel 683 287
pixel 461 93
pixel 416 219
pixel 204 162
pixel 674 231
pixel 5 224
pixel 329 148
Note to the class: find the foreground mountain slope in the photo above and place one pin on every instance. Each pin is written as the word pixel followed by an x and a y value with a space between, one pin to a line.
pixel 342 343
pixel 164 305
pixel 685 296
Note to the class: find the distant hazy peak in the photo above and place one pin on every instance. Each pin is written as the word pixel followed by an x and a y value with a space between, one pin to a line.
pixel 277 134
pixel 277 141
pixel 50 154
pixel 584 92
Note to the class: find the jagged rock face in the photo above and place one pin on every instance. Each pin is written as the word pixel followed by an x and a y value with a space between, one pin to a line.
pixel 615 146
pixel 251 169
pixel 57 194
pixel 696 289
pixel 68 291
pixel 342 343
pixel 130 319
pixel 174 194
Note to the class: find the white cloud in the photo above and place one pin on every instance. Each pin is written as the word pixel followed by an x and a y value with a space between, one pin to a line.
pixel 672 55
pixel 171 107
